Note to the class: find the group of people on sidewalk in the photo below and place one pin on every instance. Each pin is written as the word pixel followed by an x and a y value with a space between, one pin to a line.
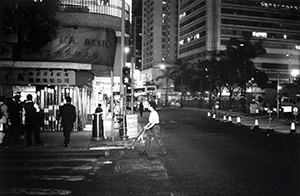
pixel 21 119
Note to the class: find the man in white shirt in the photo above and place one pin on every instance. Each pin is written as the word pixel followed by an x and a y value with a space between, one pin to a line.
pixel 153 131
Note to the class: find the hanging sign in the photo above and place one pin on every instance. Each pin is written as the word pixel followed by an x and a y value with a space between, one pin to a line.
pixel 81 45
pixel 37 77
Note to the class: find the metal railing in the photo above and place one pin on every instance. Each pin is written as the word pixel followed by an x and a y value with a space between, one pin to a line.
pixel 108 7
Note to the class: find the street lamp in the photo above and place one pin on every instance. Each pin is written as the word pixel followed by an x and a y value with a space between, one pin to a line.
pixel 289 55
pixel 163 67
pixel 295 72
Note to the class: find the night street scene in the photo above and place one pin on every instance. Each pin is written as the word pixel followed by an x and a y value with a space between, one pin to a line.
pixel 150 97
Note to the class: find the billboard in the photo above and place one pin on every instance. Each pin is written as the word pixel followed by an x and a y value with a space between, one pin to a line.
pixel 80 45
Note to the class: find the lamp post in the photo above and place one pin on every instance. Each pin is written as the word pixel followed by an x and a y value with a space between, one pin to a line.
pixel 278 102
pixel 288 55
pixel 163 67
pixel 122 57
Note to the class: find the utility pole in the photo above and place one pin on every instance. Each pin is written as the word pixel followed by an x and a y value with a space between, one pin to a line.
pixel 122 58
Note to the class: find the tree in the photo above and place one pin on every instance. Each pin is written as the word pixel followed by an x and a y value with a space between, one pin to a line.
pixel 168 73
pixel 183 74
pixel 34 17
pixel 237 66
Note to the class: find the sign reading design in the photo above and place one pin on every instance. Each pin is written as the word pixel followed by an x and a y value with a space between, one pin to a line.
pixel 82 45
pixel 39 77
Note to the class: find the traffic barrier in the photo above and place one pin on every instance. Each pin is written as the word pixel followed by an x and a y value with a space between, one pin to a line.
pixel 293 127
pixel 208 114
pixel 238 120
pixel 224 118
pixel 229 119
pixel 256 124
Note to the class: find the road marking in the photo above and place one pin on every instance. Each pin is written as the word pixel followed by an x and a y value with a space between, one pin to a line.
pixel 48 168
pixel 33 191
pixel 152 169
pixel 173 121
pixel 56 178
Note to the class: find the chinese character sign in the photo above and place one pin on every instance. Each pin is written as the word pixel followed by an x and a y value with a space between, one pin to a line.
pixel 82 45
pixel 38 77
pixel 132 125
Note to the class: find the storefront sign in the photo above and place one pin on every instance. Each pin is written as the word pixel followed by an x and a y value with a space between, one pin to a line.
pixel 132 125
pixel 37 77
pixel 104 84
pixel 81 45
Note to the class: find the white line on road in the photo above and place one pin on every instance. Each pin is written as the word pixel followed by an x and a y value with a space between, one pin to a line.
pixel 34 191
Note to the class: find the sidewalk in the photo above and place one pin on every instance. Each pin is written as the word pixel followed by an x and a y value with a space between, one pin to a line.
pixel 79 141
pixel 264 123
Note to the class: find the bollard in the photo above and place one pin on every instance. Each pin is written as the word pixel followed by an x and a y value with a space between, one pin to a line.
pixel 229 119
pixel 256 123
pixel 224 118
pixel 293 127
pixel 256 126
pixel 238 120
pixel 208 114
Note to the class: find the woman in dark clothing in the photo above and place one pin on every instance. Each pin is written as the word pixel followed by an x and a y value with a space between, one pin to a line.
pixel 141 108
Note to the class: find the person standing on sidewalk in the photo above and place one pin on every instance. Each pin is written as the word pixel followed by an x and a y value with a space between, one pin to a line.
pixel 141 108
pixel 67 113
pixel 15 117
pixel 3 118
pixel 153 131
pixel 31 110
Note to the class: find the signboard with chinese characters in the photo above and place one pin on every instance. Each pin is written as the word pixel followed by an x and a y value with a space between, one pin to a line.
pixel 104 84
pixel 81 45
pixel 132 125
pixel 37 77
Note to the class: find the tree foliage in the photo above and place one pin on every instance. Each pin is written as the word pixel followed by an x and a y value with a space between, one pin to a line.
pixel 232 69
pixel 35 18
pixel 238 67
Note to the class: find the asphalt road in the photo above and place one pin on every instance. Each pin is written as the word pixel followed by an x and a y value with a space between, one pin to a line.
pixel 204 158
pixel 216 158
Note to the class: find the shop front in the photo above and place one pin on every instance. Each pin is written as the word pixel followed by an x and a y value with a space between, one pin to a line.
pixel 49 88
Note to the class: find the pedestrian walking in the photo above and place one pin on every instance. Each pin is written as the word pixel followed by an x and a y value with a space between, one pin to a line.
pixel 15 118
pixel 31 111
pixel 67 113
pixel 153 131
pixel 141 109
pixel 3 117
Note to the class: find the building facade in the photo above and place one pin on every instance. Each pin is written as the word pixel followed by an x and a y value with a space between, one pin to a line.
pixel 206 26
pixel 159 33
pixel 86 48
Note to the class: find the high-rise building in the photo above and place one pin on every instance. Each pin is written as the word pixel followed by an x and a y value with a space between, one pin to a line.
pixel 159 33
pixel 205 26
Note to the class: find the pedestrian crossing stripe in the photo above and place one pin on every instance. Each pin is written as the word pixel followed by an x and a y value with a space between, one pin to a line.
pixel 34 191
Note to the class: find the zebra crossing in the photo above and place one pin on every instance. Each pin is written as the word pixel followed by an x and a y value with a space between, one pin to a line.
pixel 48 172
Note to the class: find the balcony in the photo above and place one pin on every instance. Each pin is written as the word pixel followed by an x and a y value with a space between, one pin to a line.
pixel 113 8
